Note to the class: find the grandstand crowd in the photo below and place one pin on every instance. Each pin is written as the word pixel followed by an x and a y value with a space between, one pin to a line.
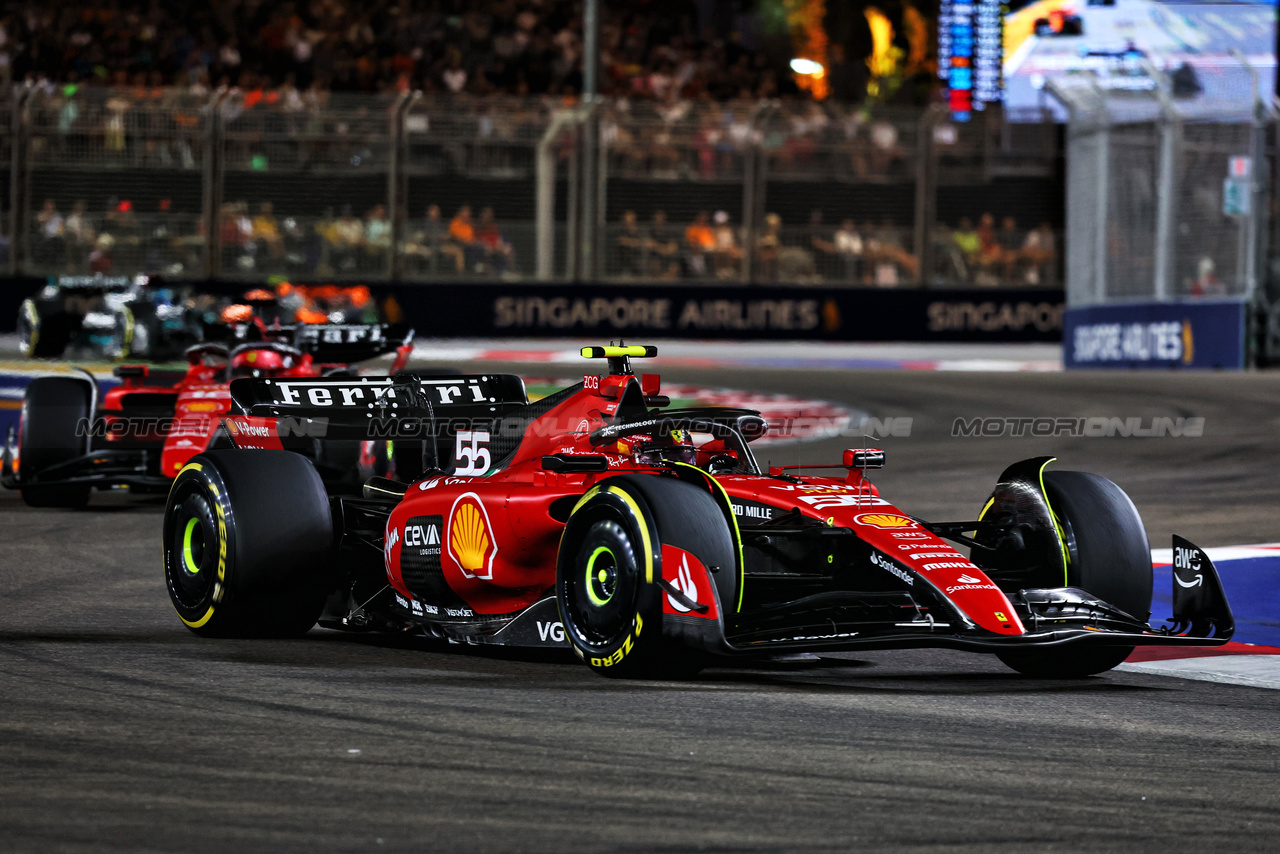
pixel 654 48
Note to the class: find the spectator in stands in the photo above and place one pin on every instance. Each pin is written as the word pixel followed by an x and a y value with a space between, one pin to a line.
pixel 663 246
pixel 890 262
pixel 726 253
pixel 498 253
pixel 699 243
pixel 301 246
pixel 100 259
pixel 266 233
pixel 1009 241
pixel 768 245
pixel 824 251
pixel 343 237
pixel 159 240
pixel 1206 282
pixel 795 263
pixel 51 234
pixel 376 248
pixel 1038 253
pixel 886 153
pixel 121 223
pixel 235 236
pixel 969 244
pixel 462 233
pixel 430 249
pixel 990 257
pixel 848 246
pixel 630 246
pixel 80 235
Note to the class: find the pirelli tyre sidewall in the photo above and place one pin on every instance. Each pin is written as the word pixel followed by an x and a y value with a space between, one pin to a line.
pixel 199 547
pixel 607 574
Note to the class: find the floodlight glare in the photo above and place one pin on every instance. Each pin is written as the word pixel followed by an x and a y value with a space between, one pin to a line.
pixel 807 66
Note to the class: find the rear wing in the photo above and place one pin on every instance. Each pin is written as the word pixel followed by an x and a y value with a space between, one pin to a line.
pixel 351 342
pixel 359 398
pixel 457 419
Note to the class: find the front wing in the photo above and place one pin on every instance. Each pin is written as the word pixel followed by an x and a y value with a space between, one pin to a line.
pixel 1053 617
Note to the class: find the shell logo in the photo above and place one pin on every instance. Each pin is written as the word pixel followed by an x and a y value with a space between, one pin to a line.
pixel 884 520
pixel 470 541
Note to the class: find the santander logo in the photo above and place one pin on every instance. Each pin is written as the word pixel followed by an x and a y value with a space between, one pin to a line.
pixel 968 582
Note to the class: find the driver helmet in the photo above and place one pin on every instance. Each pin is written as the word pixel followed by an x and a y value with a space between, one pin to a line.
pixel 682 449
pixel 258 362
pixel 675 446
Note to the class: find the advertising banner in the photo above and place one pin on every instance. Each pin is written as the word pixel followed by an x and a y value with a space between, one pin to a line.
pixel 1184 334
pixel 471 309
pixel 601 312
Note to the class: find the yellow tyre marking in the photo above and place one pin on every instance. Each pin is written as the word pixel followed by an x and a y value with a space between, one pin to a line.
pixel 200 622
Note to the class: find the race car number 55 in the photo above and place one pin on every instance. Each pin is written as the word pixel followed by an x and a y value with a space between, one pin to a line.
pixel 471 457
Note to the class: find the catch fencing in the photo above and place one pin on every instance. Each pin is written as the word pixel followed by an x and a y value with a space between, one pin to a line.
pixel 1167 192
pixel 309 185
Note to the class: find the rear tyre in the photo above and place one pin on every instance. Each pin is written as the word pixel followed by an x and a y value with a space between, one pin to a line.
pixel 53 410
pixel 43 332
pixel 610 565
pixel 247 544
pixel 1109 556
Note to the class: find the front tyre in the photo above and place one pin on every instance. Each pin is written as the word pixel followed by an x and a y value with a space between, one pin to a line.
pixel 610 566
pixel 1108 556
pixel 247 544
pixel 606 583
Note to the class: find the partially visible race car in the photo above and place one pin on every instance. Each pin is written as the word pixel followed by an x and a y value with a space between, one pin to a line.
pixel 645 538
pixel 289 303
pixel 108 317
pixel 72 436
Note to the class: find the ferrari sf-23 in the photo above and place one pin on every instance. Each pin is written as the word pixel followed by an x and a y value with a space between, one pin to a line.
pixel 72 436
pixel 646 538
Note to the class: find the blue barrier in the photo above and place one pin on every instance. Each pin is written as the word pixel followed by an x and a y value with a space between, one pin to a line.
pixel 1181 334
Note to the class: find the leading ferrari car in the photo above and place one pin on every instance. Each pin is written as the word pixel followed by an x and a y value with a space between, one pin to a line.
pixel 645 538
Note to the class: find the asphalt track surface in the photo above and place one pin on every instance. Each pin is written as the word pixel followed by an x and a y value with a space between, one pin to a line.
pixel 120 730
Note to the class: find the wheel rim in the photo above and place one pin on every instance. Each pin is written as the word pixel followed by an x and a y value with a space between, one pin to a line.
pixel 191 566
pixel 602 592
pixel 602 576
pixel 192 546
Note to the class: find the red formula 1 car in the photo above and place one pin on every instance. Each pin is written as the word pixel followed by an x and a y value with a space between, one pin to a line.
pixel 73 437
pixel 645 538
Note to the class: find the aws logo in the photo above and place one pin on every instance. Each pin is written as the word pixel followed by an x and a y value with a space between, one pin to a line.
pixel 884 520
pixel 470 539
